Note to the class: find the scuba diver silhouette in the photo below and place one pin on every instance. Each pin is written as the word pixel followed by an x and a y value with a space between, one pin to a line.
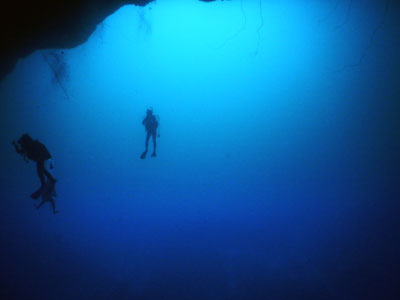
pixel 150 122
pixel 34 150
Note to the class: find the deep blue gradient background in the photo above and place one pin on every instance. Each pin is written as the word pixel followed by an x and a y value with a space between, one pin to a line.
pixel 277 172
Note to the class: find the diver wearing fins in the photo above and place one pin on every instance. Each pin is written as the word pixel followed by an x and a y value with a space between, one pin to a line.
pixel 34 150
pixel 150 122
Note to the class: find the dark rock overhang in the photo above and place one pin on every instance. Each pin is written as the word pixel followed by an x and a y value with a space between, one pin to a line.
pixel 28 25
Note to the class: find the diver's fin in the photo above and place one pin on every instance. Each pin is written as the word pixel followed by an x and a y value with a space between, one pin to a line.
pixel 36 194
pixel 143 156
pixel 153 154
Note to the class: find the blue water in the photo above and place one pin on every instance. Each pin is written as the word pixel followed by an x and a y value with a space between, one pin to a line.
pixel 276 175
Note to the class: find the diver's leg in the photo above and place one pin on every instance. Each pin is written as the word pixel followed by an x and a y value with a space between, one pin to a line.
pixel 154 144
pixel 143 156
pixel 147 141
pixel 52 187
pixel 40 171
pixel 52 182
pixel 53 205
pixel 53 191
pixel 40 204
pixel 48 174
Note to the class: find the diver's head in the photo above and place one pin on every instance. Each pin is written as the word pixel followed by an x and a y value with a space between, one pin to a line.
pixel 25 140
pixel 149 111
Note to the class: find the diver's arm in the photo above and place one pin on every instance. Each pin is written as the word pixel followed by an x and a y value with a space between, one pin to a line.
pixel 19 150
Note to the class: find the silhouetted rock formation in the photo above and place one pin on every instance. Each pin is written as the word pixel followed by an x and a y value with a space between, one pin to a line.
pixel 28 25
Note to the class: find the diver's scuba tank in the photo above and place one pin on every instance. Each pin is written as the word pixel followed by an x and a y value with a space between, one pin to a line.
pixel 51 163
pixel 158 129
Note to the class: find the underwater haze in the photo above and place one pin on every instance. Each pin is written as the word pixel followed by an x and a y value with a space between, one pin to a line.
pixel 276 174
